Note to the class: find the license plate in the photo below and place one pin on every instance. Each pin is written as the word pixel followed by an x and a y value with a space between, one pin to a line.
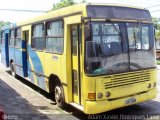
pixel 130 101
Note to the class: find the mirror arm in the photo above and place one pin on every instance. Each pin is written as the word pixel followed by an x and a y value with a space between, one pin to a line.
pixel 85 19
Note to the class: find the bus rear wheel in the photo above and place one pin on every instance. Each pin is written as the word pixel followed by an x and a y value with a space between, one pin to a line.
pixel 59 96
pixel 13 70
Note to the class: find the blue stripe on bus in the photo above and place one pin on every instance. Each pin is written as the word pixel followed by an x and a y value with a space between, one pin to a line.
pixel 21 59
pixel 24 57
pixel 11 53
pixel 36 61
pixel 37 68
pixel 30 76
pixel 6 49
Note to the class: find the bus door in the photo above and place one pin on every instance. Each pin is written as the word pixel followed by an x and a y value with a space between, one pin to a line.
pixel 75 57
pixel 25 52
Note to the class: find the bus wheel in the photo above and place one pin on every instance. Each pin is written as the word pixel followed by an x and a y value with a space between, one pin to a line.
pixel 59 96
pixel 13 71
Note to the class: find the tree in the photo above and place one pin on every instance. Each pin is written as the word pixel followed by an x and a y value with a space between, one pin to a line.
pixel 157 36
pixel 156 23
pixel 3 23
pixel 83 1
pixel 65 3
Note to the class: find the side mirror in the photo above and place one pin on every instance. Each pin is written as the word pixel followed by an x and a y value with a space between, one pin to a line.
pixel 87 31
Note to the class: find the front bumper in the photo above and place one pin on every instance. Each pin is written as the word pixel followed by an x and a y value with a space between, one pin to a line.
pixel 93 107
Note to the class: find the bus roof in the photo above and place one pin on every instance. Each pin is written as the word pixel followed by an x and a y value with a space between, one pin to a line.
pixel 65 12
pixel 118 5
pixel 57 14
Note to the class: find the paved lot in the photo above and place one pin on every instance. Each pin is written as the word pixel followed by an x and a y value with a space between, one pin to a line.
pixel 21 102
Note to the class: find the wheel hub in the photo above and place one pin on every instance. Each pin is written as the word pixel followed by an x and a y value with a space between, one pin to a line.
pixel 58 93
pixel 12 70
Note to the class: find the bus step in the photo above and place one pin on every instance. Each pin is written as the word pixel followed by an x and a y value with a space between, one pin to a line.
pixel 27 78
pixel 77 106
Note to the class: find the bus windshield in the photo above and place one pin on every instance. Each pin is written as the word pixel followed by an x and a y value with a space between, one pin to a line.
pixel 119 47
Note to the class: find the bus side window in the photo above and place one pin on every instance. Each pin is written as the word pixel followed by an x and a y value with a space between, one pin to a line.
pixel 38 41
pixel 55 37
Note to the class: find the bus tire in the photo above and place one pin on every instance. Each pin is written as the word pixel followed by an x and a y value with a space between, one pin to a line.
pixel 59 96
pixel 13 70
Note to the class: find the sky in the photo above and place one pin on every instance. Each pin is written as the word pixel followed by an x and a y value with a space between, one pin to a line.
pixel 44 5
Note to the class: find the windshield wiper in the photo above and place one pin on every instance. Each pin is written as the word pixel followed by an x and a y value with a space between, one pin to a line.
pixel 137 35
pixel 117 30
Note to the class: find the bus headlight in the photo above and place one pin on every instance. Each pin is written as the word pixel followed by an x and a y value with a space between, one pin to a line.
pixel 108 94
pixel 99 95
pixel 154 84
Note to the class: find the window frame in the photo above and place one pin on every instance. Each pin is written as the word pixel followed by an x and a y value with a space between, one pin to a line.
pixel 132 25
pixel 43 36
pixel 88 37
pixel 46 36
pixel 19 37
pixel 74 41
pixel 11 38
pixel 113 34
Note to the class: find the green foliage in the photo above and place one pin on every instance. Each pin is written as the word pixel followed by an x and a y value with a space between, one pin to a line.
pixel 3 23
pixel 83 1
pixel 156 23
pixel 157 36
pixel 158 62
pixel 65 3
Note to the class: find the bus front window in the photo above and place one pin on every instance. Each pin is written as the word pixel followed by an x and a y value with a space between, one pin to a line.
pixel 118 47
pixel 141 45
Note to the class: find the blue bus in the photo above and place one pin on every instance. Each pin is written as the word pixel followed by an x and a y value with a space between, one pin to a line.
pixel 4 42
pixel 17 52
pixel 4 47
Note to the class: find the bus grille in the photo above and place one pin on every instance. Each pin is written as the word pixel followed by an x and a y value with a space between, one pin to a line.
pixel 127 79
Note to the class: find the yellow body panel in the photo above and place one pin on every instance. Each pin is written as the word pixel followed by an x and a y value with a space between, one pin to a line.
pixel 133 83
pixel 104 105
pixel 119 94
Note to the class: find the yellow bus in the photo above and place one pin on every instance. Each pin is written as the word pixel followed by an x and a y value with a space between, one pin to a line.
pixel 95 57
